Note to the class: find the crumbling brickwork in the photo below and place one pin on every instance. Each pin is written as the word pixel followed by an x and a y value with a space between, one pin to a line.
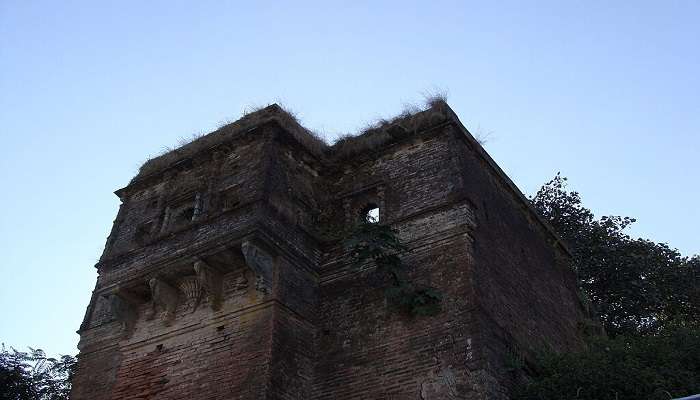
pixel 225 276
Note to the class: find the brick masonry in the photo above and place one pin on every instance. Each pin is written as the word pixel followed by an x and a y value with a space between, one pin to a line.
pixel 222 277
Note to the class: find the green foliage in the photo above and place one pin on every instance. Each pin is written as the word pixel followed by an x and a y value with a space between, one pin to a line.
pixel 636 286
pixel 33 376
pixel 514 361
pixel 648 298
pixel 379 244
pixel 663 366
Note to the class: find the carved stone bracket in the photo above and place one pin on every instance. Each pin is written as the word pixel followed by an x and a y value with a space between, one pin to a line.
pixel 192 290
pixel 123 306
pixel 164 298
pixel 240 283
pixel 261 263
pixel 210 282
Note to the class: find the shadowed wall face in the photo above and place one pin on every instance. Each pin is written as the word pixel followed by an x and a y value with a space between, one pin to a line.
pixel 224 276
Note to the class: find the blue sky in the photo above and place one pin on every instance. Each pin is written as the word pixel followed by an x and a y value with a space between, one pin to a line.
pixel 608 93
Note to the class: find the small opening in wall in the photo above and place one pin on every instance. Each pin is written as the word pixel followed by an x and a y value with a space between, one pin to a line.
pixel 159 347
pixel 219 328
pixel 371 214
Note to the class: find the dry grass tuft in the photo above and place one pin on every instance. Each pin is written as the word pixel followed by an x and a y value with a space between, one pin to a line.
pixel 433 98
pixel 411 120
pixel 482 136
pixel 251 119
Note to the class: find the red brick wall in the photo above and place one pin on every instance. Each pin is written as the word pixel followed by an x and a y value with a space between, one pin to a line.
pixel 522 282
pixel 324 330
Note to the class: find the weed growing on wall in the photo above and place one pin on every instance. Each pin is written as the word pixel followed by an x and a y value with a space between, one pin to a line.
pixel 378 244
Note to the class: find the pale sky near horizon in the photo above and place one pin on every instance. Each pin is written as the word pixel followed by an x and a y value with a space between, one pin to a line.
pixel 608 93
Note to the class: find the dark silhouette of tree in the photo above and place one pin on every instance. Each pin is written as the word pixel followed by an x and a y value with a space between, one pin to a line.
pixel 647 297
pixel 636 285
pixel 662 366
pixel 33 376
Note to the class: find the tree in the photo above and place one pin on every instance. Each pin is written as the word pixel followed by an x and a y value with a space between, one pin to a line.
pixel 663 366
pixel 648 298
pixel 33 376
pixel 635 285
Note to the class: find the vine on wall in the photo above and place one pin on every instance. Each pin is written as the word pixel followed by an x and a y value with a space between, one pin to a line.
pixel 379 244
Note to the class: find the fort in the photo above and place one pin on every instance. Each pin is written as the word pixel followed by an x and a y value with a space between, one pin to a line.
pixel 224 277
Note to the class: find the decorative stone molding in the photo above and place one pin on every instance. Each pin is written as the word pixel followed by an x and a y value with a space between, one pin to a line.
pixel 261 263
pixel 123 306
pixel 164 298
pixel 240 283
pixel 210 282
pixel 192 290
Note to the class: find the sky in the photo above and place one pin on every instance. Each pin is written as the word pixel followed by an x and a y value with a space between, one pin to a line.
pixel 607 93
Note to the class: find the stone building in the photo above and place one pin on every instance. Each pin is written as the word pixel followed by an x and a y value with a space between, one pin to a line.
pixel 222 277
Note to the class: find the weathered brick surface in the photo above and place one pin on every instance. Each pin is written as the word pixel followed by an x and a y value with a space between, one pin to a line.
pixel 224 276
